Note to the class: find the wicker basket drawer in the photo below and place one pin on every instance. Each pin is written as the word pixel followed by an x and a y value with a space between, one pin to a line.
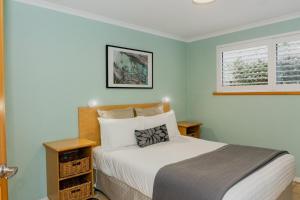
pixel 78 192
pixel 74 167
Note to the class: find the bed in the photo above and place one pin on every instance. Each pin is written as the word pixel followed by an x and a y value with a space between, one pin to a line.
pixel 128 173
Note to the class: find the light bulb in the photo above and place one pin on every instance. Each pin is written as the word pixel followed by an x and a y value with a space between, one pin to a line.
pixel 93 103
pixel 165 99
pixel 203 1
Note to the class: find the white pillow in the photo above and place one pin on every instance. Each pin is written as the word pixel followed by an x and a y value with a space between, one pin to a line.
pixel 116 133
pixel 167 118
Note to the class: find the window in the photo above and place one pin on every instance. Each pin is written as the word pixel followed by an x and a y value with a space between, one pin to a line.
pixel 264 65
pixel 288 63
pixel 245 67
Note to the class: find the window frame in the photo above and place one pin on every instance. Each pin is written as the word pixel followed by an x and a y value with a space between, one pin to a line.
pixel 271 43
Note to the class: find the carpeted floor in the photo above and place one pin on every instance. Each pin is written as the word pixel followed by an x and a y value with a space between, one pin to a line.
pixel 100 196
pixel 296 193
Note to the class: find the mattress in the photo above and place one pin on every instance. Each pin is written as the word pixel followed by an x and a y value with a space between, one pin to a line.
pixel 137 167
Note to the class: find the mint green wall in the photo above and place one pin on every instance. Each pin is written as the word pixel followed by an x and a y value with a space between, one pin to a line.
pixel 55 63
pixel 269 121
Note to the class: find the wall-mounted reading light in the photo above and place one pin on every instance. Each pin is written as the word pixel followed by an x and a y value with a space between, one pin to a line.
pixel 165 100
pixel 93 103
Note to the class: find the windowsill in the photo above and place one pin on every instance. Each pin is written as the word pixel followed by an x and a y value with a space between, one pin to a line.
pixel 254 93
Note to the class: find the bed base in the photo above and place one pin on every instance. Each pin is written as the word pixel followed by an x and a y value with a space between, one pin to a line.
pixel 115 189
pixel 118 190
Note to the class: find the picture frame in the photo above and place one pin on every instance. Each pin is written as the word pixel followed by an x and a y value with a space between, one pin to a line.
pixel 128 68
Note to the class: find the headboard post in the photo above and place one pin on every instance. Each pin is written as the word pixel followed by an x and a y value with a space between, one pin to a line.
pixel 88 124
pixel 166 106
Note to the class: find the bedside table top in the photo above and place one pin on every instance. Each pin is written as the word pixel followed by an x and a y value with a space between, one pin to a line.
pixel 69 144
pixel 188 124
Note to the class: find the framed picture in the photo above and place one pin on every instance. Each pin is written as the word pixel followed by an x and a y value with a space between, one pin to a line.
pixel 128 68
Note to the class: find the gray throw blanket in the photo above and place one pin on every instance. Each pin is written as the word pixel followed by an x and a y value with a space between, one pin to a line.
pixel 211 175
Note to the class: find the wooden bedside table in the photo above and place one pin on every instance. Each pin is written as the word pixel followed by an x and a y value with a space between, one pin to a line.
pixel 189 128
pixel 69 169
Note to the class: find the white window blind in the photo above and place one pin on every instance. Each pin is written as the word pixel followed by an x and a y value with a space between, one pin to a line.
pixel 261 65
pixel 245 67
pixel 288 63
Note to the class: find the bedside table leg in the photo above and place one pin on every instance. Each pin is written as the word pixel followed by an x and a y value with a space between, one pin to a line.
pixel 182 130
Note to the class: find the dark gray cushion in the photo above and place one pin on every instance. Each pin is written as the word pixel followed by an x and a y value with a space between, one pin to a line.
pixel 152 136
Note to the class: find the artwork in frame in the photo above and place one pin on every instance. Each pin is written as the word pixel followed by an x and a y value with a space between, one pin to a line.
pixel 128 68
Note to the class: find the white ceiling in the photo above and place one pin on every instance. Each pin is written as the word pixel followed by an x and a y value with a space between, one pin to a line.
pixel 182 19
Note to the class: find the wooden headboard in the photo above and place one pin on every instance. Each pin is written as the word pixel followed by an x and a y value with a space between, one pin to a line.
pixel 89 127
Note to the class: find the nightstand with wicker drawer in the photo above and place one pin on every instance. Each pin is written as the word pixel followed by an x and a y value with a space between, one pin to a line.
pixel 69 169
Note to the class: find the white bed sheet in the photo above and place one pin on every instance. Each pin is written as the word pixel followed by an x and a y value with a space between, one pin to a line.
pixel 137 167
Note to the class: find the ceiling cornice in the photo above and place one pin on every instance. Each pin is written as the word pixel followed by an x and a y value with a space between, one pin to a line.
pixel 246 27
pixel 87 15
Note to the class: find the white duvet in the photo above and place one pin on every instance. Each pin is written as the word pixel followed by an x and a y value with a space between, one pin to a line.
pixel 137 167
